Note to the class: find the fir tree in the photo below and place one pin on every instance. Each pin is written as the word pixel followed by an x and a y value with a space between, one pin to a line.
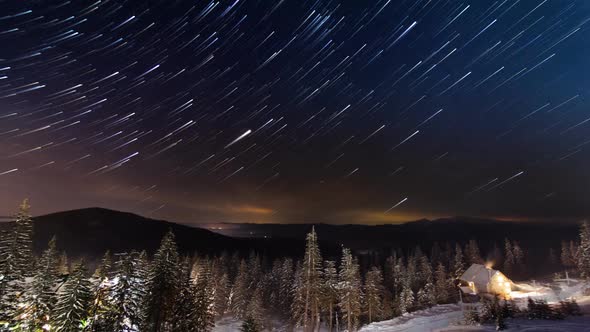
pixel 330 292
pixel 16 259
pixel 184 313
pixel 203 314
pixel 406 301
pixel 101 310
pixel 583 261
pixel 350 290
pixel 509 259
pixel 41 296
pixel 162 285
pixel 458 263
pixel 63 267
pixel 566 258
pixel 240 296
pixel 221 297
pixel 306 306
pixel 286 285
pixel 472 252
pixel 373 292
pixel 129 292
pixel 441 284
pixel 73 299
pixel 256 309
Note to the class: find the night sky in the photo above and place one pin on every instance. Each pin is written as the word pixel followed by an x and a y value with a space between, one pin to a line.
pixel 297 111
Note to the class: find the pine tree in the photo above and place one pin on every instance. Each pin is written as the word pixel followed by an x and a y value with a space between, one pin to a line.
pixel 458 263
pixel 221 297
pixel 350 290
pixel 583 261
pixel 63 264
pixel 203 313
pixel 330 292
pixel 509 259
pixel 41 296
pixel 286 285
pixel 373 292
pixel 573 253
pixel 129 292
pixel 441 284
pixel 162 285
pixel 73 299
pixel 424 271
pixel 306 307
pixel 472 252
pixel 101 310
pixel 16 259
pixel 240 296
pixel 566 258
pixel 256 309
pixel 184 312
pixel 407 299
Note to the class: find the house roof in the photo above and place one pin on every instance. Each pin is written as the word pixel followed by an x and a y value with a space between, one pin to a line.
pixel 478 274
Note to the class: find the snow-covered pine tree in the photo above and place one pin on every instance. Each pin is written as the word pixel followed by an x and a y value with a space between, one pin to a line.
pixel 509 259
pixel 472 252
pixel 373 294
pixel 105 268
pixel 574 252
pixel 424 271
pixel 435 254
pixel 287 276
pixel 40 297
pixel 330 292
pixel 496 255
pixel 518 254
pixel 63 266
pixel 129 291
pixel 273 286
pixel 240 294
pixel 256 309
pixel 73 299
pixel 184 315
pixel 306 306
pixel 407 299
pixel 101 309
pixel 458 263
pixel 162 285
pixel 203 315
pixel 441 285
pixel 411 273
pixel 16 262
pixel 221 297
pixel 350 290
pixel 583 261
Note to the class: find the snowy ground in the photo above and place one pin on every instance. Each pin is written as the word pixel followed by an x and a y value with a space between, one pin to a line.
pixel 424 320
pixel 447 318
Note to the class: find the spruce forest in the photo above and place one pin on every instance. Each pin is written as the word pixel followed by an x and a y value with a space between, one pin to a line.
pixel 167 291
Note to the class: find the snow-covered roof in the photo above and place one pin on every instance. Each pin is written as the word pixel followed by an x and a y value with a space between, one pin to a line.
pixel 478 274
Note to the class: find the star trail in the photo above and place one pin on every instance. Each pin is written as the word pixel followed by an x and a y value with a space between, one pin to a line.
pixel 296 111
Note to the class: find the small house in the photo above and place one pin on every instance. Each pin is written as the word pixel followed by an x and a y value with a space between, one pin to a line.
pixel 480 279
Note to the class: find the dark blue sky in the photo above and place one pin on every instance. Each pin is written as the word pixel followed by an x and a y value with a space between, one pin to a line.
pixel 297 111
